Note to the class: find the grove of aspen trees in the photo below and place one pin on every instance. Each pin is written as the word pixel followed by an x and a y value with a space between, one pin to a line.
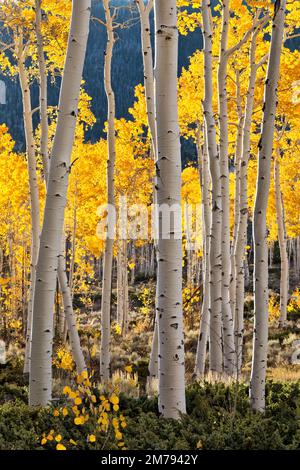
pixel 150 269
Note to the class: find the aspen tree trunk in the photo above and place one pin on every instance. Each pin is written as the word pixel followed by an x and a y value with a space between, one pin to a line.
pixel 144 11
pixel 284 271
pixel 109 242
pixel 42 89
pixel 241 237
pixel 122 286
pixel 297 243
pixel 50 244
pixel 206 218
pixel 188 253
pixel 261 297
pixel 119 284
pixel 126 295
pixel 69 313
pixel 133 256
pixel 33 189
pixel 237 164
pixel 227 317
pixel 168 194
pixel 215 266
pixel 68 320
pixel 153 363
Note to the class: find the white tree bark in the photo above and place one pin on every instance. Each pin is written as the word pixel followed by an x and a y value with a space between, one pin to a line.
pixel 109 242
pixel 168 193
pixel 215 266
pixel 237 164
pixel 33 188
pixel 153 363
pixel 144 11
pixel 122 286
pixel 69 313
pixel 50 244
pixel 42 90
pixel 261 297
pixel 280 217
pixel 206 221
pixel 227 317
pixel 241 236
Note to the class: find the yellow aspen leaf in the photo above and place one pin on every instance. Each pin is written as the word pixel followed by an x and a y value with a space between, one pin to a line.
pixel 114 399
pixel 79 420
pixel 60 447
pixel 66 390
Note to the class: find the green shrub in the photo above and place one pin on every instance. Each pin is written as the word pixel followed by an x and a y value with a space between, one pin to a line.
pixel 218 417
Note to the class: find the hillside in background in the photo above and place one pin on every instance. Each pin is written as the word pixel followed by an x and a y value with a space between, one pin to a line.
pixel 127 73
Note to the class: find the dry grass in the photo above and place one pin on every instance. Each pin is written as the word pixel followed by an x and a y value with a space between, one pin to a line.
pixel 289 373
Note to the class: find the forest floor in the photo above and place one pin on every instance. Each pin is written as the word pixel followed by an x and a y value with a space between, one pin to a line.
pixel 218 413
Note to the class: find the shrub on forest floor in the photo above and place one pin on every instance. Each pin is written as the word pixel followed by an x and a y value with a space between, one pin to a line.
pixel 86 419
pixel 218 417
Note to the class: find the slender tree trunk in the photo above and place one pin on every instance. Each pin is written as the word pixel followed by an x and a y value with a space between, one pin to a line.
pixel 43 90
pixel 145 11
pixel 33 190
pixel 215 266
pixel 206 218
pixel 168 194
pixel 122 286
pixel 284 271
pixel 241 237
pixel 68 317
pixel 50 245
pixel 227 317
pixel 237 165
pixel 261 297
pixel 68 312
pixel 109 242
pixel 153 363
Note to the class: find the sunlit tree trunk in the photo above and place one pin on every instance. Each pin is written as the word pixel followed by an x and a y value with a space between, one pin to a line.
pixel 227 317
pixel 280 217
pixel 168 194
pixel 69 313
pixel 42 90
pixel 50 244
pixel 261 297
pixel 206 221
pixel 109 242
pixel 241 236
pixel 215 266
pixel 237 163
pixel 144 11
pixel 153 363
pixel 122 286
pixel 68 320
pixel 33 188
